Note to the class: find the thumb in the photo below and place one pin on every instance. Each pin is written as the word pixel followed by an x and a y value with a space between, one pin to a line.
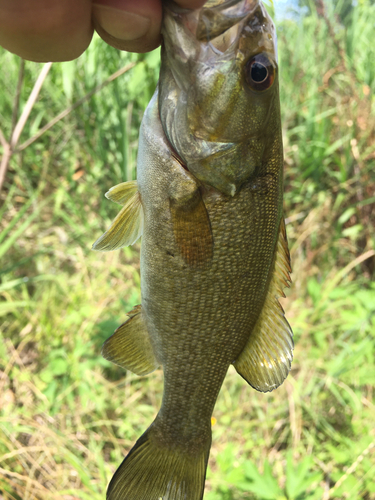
pixel 128 25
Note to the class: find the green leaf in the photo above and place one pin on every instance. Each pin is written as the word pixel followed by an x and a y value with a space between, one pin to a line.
pixel 353 231
pixel 22 228
pixel 68 70
pixel 138 80
pixel 265 486
pixel 298 477
pixel 153 59
pixel 345 216
pixel 59 366
pixel 8 307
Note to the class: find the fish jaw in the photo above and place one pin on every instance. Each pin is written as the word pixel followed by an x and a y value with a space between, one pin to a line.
pixel 219 127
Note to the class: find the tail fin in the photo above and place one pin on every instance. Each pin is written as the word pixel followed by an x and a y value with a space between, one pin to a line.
pixel 152 471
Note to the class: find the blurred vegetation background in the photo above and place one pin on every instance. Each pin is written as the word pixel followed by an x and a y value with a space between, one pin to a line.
pixel 67 416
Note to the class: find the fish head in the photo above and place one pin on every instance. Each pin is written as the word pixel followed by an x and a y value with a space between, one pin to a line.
pixel 218 89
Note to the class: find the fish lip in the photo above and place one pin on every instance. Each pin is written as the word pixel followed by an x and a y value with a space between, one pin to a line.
pixel 175 7
pixel 218 17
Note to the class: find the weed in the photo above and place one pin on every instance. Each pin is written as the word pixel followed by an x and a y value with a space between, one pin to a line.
pixel 67 416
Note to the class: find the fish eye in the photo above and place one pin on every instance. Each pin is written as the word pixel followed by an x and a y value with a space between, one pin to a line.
pixel 259 72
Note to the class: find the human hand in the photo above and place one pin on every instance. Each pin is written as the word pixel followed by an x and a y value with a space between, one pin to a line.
pixel 60 30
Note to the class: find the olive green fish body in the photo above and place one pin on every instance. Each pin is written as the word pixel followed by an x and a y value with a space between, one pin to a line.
pixel 214 256
pixel 201 318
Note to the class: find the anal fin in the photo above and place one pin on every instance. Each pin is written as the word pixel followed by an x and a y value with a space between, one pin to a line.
pixel 127 227
pixel 130 345
pixel 266 359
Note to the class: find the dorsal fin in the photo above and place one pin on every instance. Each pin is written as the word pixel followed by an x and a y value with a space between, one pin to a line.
pixel 266 359
pixel 127 227
pixel 130 345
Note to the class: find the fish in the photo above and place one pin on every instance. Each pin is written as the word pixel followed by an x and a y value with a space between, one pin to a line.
pixel 208 203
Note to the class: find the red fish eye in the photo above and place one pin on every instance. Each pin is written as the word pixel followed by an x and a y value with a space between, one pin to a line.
pixel 259 72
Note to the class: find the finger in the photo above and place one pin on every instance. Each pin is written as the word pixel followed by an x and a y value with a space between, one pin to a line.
pixel 129 25
pixel 45 30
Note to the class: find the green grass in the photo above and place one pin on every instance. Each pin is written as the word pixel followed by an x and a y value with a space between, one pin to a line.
pixel 67 416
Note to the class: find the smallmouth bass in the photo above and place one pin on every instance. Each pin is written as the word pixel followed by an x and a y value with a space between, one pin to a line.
pixel 214 255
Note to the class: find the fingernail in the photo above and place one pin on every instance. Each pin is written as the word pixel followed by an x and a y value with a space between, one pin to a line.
pixel 121 24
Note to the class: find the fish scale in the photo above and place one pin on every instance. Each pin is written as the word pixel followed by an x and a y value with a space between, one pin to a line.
pixel 207 301
pixel 214 255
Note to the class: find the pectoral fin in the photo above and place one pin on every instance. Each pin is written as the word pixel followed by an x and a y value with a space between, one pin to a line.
pixel 130 346
pixel 128 225
pixel 266 359
pixel 122 193
pixel 192 230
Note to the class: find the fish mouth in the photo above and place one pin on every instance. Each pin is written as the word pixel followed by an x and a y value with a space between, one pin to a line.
pixel 218 17
pixel 214 18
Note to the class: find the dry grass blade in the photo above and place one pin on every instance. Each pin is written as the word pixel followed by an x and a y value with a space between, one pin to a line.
pixel 9 148
pixel 4 159
pixel 21 74
pixel 29 105
pixel 350 470
pixel 346 270
pixel 23 478
pixel 71 108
